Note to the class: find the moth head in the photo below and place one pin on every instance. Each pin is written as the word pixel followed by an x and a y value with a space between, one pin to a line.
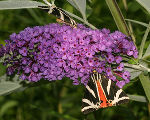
pixel 109 103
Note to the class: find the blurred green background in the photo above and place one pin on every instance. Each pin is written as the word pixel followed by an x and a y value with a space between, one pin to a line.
pixel 61 100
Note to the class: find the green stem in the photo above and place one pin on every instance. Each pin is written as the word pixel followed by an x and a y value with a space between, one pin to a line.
pixel 149 109
pixel 131 32
pixel 129 23
pixel 118 17
pixel 60 111
pixel 143 41
pixel 90 25
pixel 61 95
pixel 82 20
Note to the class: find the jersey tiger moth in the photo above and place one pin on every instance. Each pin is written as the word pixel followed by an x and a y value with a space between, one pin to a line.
pixel 102 92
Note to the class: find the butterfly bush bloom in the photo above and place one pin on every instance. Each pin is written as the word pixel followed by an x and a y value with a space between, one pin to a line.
pixel 55 51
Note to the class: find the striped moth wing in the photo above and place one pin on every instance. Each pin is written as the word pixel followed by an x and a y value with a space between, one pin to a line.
pixel 101 92
pixel 62 16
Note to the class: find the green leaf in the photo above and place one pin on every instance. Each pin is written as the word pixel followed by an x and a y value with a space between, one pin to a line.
pixel 118 16
pixel 4 108
pixel 133 72
pixel 143 41
pixel 147 53
pixel 90 1
pixel 137 98
pixel 137 22
pixel 2 69
pixel 146 85
pixel 19 4
pixel 7 87
pixel 73 4
pixel 80 5
pixel 145 4
pixel 89 10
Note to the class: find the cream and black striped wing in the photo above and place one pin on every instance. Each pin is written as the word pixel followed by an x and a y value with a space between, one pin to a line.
pixel 91 99
pixel 112 92
pixel 62 16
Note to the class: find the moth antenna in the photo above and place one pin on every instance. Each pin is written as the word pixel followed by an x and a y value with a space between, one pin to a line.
pixel 48 3
pixel 53 2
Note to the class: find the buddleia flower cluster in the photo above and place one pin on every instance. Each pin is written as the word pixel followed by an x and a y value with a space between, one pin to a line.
pixel 54 51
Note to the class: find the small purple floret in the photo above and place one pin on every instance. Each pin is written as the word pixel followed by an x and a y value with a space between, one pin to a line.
pixel 23 51
pixel 120 67
pixel 120 84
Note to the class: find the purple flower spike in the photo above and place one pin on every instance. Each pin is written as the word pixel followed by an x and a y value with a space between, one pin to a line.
pixel 53 51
